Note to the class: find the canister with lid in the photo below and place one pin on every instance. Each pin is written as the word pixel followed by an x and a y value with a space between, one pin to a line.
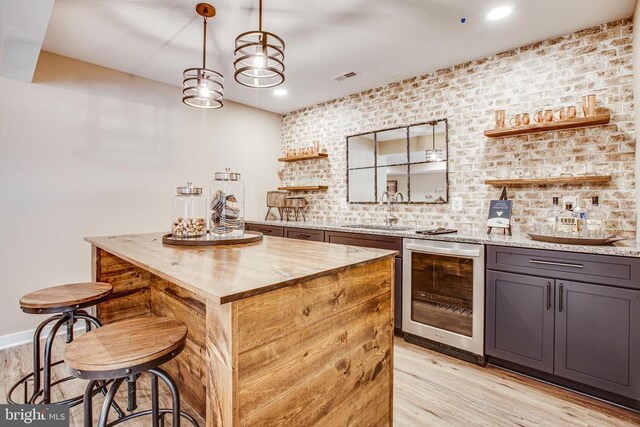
pixel 227 204
pixel 189 212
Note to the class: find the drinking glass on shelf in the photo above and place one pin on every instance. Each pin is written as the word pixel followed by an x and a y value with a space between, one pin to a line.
pixel 516 120
pixel 500 114
pixel 589 105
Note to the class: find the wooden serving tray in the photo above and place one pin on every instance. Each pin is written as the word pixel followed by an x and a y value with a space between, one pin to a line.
pixel 211 240
pixel 565 240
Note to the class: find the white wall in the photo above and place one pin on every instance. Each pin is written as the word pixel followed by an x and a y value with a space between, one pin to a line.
pixel 88 151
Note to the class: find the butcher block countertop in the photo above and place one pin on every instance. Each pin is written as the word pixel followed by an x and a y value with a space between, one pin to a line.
pixel 231 273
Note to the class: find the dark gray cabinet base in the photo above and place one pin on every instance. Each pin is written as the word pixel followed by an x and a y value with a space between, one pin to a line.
pixel 598 337
pixel 581 334
pixel 519 315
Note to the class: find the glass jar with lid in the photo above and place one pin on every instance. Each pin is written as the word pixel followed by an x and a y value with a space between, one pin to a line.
pixel 189 212
pixel 227 204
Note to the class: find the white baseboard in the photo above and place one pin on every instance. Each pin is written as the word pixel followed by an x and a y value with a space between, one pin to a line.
pixel 19 338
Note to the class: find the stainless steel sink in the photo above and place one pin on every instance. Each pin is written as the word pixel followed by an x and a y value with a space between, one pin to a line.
pixel 377 227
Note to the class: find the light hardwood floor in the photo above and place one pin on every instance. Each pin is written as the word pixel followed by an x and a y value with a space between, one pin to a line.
pixel 430 389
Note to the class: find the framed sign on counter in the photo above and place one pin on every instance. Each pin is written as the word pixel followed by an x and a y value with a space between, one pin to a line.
pixel 500 215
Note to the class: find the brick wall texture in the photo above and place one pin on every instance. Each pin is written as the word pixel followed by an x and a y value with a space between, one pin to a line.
pixel 548 74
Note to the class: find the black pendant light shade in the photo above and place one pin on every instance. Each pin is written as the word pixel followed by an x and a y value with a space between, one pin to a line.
pixel 202 87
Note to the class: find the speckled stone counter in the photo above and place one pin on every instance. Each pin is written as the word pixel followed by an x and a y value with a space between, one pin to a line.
pixel 629 248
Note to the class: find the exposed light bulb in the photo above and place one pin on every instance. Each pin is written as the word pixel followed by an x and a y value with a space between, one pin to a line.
pixel 280 92
pixel 259 60
pixel 203 91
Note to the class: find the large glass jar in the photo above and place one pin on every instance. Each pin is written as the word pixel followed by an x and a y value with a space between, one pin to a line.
pixel 189 212
pixel 227 204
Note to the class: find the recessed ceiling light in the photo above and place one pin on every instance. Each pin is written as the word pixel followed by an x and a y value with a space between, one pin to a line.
pixel 499 13
pixel 280 92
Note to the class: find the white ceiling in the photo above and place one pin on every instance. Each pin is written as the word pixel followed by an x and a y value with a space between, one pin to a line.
pixel 382 40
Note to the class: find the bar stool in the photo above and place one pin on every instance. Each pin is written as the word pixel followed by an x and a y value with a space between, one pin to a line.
pixel 123 351
pixel 67 303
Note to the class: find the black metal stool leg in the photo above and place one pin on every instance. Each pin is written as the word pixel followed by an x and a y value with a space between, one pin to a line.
pixel 108 400
pixel 88 318
pixel 175 393
pixel 155 415
pixel 37 336
pixel 87 323
pixel 88 404
pixel 46 373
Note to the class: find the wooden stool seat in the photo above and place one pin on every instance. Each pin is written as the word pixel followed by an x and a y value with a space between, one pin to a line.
pixel 63 298
pixel 125 348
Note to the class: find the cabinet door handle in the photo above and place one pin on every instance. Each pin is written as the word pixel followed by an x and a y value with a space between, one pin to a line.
pixel 304 236
pixel 559 264
pixel 548 295
pixel 560 297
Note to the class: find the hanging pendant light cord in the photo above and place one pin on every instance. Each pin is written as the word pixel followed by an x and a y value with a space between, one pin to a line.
pixel 260 17
pixel 204 45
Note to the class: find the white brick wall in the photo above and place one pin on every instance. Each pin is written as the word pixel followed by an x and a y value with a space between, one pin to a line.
pixel 548 74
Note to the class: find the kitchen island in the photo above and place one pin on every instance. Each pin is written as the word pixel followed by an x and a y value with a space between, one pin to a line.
pixel 280 331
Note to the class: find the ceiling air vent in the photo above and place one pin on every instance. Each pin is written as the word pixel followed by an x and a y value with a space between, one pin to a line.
pixel 345 76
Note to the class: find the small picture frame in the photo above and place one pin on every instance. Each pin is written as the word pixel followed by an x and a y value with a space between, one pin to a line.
pixel 392 187
pixel 500 215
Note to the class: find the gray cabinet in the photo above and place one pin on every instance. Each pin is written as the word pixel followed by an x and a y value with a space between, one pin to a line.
pixel 580 333
pixel 267 230
pixel 520 319
pixel 598 336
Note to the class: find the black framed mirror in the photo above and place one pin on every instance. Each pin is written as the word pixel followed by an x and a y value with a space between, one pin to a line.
pixel 410 160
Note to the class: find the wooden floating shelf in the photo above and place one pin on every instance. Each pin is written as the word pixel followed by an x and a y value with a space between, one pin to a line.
pixel 580 122
pixel 555 180
pixel 307 157
pixel 304 188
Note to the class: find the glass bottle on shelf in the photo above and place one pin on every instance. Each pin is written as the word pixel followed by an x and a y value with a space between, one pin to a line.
pixel 595 219
pixel 552 216
pixel 582 212
pixel 227 204
pixel 569 222
pixel 189 212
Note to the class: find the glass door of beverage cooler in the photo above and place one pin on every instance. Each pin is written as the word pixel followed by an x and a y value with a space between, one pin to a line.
pixel 442 292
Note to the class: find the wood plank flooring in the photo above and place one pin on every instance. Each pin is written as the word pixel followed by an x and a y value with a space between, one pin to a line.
pixel 430 390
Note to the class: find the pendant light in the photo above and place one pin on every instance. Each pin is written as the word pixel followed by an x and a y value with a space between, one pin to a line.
pixel 434 154
pixel 203 87
pixel 259 58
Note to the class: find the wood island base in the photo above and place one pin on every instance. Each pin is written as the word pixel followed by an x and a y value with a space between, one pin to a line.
pixel 315 352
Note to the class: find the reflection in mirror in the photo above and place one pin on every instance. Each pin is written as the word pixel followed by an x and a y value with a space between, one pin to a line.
pixel 393 179
pixel 361 185
pixel 361 151
pixel 429 182
pixel 411 160
pixel 392 147
pixel 428 143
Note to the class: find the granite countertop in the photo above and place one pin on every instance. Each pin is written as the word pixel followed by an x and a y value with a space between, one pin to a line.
pixel 229 273
pixel 629 248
